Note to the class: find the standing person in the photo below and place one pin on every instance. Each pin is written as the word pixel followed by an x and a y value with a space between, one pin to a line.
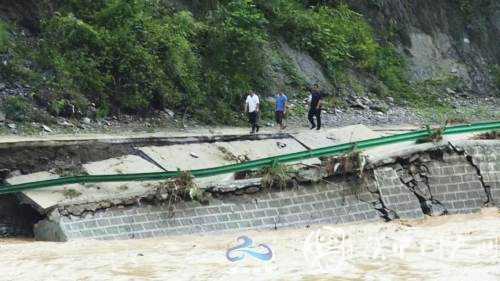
pixel 252 105
pixel 281 101
pixel 316 98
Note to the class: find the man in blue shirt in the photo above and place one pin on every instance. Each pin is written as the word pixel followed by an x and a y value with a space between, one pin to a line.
pixel 281 100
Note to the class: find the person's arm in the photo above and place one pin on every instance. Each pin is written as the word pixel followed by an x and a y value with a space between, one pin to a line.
pixel 257 106
pixel 286 104
pixel 320 100
pixel 246 105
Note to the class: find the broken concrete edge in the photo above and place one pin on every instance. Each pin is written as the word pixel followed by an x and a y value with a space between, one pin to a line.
pixel 139 141
pixel 238 187
pixel 405 153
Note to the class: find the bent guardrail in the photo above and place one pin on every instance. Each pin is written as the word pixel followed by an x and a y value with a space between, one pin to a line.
pixel 251 165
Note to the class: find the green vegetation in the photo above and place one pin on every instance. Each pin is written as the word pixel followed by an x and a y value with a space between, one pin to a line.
pixel 16 108
pixel 135 56
pixel 496 77
pixel 277 176
pixel 181 188
pixel 337 37
pixel 435 135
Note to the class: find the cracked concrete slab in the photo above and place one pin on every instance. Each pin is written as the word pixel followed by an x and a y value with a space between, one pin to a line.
pixel 190 157
pixel 255 150
pixel 328 137
pixel 44 199
pixel 116 190
pixel 41 199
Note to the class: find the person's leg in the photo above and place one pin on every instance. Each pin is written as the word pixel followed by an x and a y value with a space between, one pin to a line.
pixel 251 117
pixel 318 119
pixel 279 118
pixel 257 117
pixel 310 116
pixel 282 116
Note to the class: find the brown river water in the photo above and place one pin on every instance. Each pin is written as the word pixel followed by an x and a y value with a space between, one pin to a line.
pixel 461 247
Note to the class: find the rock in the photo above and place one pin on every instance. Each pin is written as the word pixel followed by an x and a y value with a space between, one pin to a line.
pixel 251 190
pixel 194 155
pixel 379 108
pixel 366 100
pixel 390 99
pixel 358 104
pixel 450 91
pixel 12 126
pixel 435 208
pixel 47 128
pixel 2 86
pixel 4 173
pixel 65 123
pixel 169 112
pixel 86 120
pixel 466 41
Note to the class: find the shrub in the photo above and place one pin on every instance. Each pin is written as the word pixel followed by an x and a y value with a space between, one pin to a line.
pixel 120 54
pixel 4 36
pixel 337 37
pixel 496 77
pixel 232 44
pixel 16 108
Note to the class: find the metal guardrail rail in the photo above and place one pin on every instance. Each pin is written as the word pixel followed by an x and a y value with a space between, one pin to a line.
pixel 251 165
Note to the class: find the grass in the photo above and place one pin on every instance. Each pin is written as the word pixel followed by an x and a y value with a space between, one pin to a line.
pixel 181 188
pixel 436 135
pixel 277 176
pixel 352 162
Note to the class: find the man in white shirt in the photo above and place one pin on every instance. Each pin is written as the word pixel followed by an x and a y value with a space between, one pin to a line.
pixel 252 104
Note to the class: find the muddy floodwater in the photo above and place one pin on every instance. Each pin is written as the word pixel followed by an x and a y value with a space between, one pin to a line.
pixel 461 247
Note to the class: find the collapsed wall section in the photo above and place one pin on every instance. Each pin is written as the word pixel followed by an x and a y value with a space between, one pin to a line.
pixel 396 196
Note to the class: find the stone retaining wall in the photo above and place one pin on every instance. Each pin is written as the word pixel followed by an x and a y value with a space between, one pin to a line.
pixel 454 182
pixel 445 178
pixel 487 160
pixel 396 196
pixel 321 204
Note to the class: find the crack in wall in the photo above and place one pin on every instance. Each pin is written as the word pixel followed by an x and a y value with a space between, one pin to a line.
pixel 470 160
pixel 414 174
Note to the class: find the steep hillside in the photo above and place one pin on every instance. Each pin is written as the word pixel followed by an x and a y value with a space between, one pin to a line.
pixel 96 59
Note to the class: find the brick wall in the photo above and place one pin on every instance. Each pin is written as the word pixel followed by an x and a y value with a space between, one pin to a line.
pixel 322 204
pixel 487 159
pixel 454 182
pixel 396 195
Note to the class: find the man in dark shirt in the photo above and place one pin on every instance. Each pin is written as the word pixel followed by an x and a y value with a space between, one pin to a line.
pixel 315 107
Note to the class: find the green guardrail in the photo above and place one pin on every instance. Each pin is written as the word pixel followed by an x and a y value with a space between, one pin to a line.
pixel 251 165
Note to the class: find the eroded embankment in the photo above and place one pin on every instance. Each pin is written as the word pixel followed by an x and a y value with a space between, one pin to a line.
pixel 66 157
pixel 427 180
